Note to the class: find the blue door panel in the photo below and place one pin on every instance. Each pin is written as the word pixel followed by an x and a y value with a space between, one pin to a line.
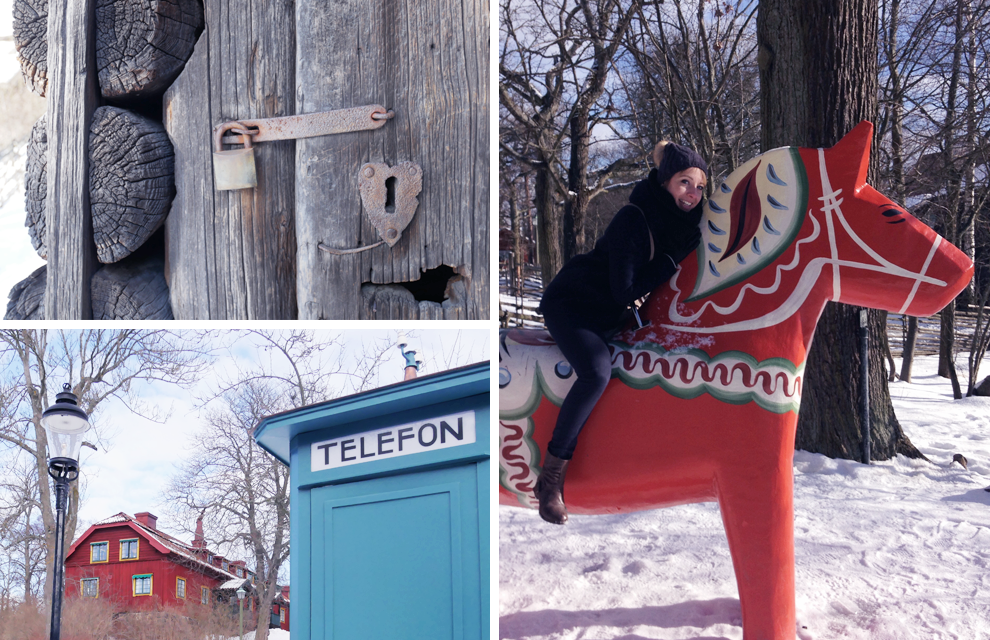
pixel 394 557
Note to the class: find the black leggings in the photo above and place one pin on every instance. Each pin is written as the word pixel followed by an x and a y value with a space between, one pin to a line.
pixel 588 355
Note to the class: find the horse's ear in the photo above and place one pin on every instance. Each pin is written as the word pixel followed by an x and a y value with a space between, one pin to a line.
pixel 854 149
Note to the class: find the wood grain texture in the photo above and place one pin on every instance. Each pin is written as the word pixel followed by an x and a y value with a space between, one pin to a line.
pixel 132 289
pixel 30 27
pixel 26 301
pixel 429 62
pixel 231 254
pixel 395 302
pixel 131 177
pixel 141 45
pixel 71 101
pixel 36 185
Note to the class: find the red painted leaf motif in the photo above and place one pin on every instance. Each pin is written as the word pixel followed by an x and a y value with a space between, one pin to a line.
pixel 746 212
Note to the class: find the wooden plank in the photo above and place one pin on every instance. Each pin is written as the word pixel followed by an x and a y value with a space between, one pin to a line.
pixel 72 91
pixel 231 254
pixel 189 230
pixel 428 61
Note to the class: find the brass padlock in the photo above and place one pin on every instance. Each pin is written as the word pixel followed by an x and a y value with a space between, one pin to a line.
pixel 234 168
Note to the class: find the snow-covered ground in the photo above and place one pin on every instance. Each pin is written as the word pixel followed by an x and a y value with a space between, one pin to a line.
pixel 896 550
pixel 273 634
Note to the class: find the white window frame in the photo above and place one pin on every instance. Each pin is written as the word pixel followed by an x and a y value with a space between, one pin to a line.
pixel 106 551
pixel 86 582
pixel 142 577
pixel 137 549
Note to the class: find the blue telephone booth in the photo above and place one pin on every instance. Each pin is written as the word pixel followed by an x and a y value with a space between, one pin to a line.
pixel 390 510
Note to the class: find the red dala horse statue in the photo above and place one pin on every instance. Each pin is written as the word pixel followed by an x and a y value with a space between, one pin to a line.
pixel 703 401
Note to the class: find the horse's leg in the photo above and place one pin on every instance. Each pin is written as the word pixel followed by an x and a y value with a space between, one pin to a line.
pixel 757 503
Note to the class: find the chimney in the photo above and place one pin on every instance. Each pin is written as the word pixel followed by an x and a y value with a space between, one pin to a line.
pixel 147 519
pixel 412 360
pixel 199 542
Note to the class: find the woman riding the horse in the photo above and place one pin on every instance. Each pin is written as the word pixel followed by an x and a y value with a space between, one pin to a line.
pixel 639 251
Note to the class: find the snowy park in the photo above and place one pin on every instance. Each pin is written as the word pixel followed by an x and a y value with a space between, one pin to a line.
pixel 893 550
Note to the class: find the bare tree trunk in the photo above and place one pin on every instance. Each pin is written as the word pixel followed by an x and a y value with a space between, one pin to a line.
pixel 907 355
pixel 818 71
pixel 547 226
pixel 576 205
pixel 947 330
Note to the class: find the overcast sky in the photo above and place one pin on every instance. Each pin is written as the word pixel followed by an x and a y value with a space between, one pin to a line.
pixel 136 457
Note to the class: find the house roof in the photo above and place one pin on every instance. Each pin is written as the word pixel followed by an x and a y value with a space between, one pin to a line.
pixel 235 584
pixel 160 540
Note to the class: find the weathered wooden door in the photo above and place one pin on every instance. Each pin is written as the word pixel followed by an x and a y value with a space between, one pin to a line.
pixel 427 61
pixel 256 253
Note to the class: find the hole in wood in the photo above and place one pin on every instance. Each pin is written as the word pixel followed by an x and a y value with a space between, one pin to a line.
pixel 390 195
pixel 432 285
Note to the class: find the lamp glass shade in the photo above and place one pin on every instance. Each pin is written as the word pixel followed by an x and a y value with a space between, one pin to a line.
pixel 64 445
pixel 68 422
pixel 65 423
pixel 241 593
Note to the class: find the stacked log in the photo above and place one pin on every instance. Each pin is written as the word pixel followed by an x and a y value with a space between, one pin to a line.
pixel 30 39
pixel 36 185
pixel 26 300
pixel 141 46
pixel 132 289
pixel 131 180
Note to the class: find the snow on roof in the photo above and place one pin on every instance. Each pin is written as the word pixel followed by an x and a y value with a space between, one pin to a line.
pixel 170 544
pixel 232 585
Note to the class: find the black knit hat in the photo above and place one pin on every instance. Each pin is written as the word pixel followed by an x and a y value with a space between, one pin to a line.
pixel 677 158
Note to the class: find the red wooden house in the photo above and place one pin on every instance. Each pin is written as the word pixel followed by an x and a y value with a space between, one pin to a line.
pixel 280 610
pixel 130 562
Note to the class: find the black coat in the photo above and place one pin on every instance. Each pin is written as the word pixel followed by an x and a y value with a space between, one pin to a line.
pixel 594 289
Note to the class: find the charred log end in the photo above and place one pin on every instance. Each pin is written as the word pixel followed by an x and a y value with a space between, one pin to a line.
pixel 31 41
pixel 132 180
pixel 26 301
pixel 133 289
pixel 36 185
pixel 142 46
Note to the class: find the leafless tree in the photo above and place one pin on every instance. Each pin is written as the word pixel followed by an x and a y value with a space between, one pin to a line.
pixel 100 365
pixel 694 79
pixel 22 535
pixel 934 108
pixel 555 64
pixel 241 490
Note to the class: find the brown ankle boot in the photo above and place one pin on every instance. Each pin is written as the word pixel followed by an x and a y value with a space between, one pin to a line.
pixel 550 490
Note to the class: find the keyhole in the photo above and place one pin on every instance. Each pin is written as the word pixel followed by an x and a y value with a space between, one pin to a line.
pixel 390 195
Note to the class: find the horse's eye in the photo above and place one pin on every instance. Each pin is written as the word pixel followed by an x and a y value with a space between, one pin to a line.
pixel 894 215
pixel 563 369
pixel 504 377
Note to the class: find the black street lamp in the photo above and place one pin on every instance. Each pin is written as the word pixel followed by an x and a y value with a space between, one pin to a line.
pixel 65 423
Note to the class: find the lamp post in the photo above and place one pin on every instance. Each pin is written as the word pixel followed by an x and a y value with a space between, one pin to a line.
pixel 65 423
pixel 240 607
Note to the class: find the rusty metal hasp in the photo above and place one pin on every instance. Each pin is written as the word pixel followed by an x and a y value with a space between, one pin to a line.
pixel 310 125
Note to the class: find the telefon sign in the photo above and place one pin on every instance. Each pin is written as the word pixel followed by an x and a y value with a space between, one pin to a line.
pixel 391 442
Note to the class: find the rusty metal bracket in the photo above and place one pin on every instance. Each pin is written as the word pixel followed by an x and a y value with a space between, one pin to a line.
pixel 388 194
pixel 309 125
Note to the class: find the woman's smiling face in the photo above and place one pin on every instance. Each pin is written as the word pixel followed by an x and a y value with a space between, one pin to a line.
pixel 687 187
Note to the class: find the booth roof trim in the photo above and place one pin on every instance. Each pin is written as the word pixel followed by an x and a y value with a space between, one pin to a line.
pixel 275 433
